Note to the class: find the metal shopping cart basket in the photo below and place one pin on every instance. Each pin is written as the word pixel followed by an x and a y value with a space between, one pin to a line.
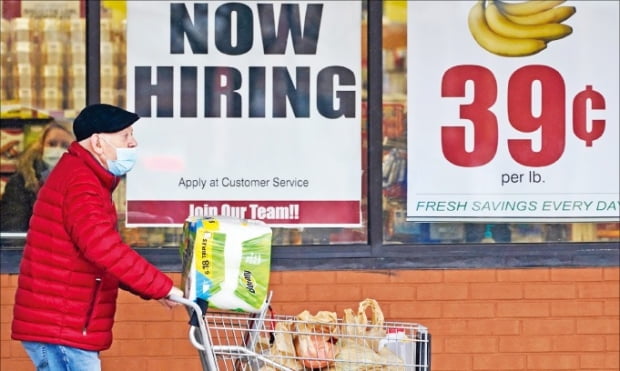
pixel 265 341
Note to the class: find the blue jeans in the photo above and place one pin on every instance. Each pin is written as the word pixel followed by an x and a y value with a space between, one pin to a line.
pixel 53 357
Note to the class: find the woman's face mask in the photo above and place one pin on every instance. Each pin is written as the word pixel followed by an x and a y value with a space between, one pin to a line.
pixel 56 142
pixel 51 155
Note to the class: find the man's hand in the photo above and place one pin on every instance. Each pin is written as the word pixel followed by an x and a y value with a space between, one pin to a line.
pixel 169 303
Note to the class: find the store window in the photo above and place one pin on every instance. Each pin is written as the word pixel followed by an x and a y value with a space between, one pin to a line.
pixel 114 59
pixel 42 85
pixel 70 86
pixel 43 79
pixel 395 161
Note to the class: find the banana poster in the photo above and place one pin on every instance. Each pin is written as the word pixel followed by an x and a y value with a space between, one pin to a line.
pixel 513 111
pixel 248 109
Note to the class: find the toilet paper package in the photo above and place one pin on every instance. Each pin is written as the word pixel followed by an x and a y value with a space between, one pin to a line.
pixel 226 262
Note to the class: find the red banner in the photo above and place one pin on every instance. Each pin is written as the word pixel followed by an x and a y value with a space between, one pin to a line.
pixel 271 212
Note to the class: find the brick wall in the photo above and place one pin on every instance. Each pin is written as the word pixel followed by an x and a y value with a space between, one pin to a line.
pixel 513 319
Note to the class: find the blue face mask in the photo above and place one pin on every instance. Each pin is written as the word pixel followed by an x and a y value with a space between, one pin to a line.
pixel 125 160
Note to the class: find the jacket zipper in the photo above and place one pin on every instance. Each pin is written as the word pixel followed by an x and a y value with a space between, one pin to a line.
pixel 91 306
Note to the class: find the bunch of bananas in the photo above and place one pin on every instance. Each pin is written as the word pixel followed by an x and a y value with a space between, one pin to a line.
pixel 518 29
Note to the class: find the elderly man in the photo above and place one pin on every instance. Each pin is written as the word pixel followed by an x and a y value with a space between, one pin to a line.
pixel 74 259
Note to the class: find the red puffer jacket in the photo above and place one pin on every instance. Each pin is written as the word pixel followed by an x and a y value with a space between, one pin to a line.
pixel 74 260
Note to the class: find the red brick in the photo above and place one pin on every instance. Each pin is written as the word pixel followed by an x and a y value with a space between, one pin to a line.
pixel 470 275
pixel 171 330
pixel 553 362
pixel 8 280
pixel 437 348
pixel 5 329
pixel 498 362
pixel 309 277
pixel 13 278
pixel 550 291
pixel 176 277
pixel 335 293
pixel 599 290
pixel 15 364
pixel 417 276
pixel 6 313
pixel 598 326
pixel 577 275
pixel 468 310
pixel 184 348
pixel 179 314
pixel 455 312
pixel 158 347
pixel 612 342
pixel 17 350
pixel 494 327
pixel 442 292
pixel 290 292
pixel 416 310
pixel 296 308
pixel 525 344
pixel 549 326
pixel 131 347
pixel 451 362
pixel 611 274
pixel 125 297
pixel 442 328
pixel 576 308
pixel 170 363
pixel 578 343
pixel 7 296
pixel 522 309
pixel 392 292
pixel 275 278
pixel 471 345
pixel 348 277
pixel 128 330
pixel 5 349
pixel 612 308
pixel 149 311
pixel 523 275
pixel 5 281
pixel 124 363
pixel 495 291
pixel 600 361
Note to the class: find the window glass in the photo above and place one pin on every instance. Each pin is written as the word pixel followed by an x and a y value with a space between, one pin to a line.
pixel 396 228
pixel 42 84
pixel 113 91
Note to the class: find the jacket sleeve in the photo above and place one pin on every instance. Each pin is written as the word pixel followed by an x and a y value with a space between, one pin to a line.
pixel 90 218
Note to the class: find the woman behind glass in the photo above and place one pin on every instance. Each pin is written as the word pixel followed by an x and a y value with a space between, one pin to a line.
pixel 33 167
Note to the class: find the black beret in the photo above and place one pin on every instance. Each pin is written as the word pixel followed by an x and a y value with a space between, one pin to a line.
pixel 101 118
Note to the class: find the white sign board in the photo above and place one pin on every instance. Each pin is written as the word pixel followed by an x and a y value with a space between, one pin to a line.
pixel 248 109
pixel 505 130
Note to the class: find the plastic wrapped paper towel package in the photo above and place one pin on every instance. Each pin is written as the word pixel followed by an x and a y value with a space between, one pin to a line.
pixel 226 262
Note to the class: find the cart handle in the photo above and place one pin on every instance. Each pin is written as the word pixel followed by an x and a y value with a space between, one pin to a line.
pixel 206 345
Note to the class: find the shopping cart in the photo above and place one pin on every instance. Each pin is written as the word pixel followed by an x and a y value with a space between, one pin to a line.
pixel 265 341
